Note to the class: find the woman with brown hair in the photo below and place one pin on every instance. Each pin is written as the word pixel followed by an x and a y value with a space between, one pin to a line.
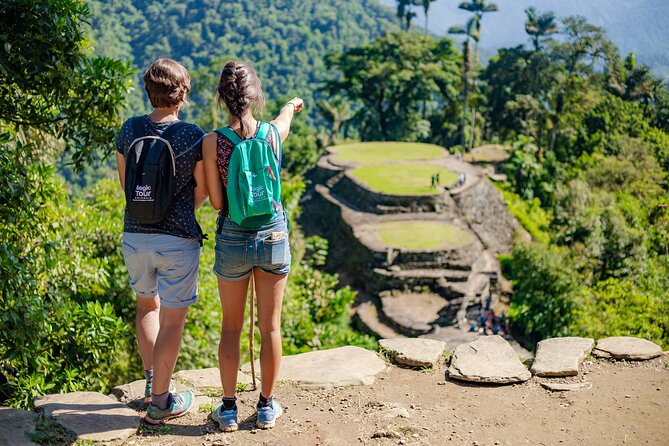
pixel 242 252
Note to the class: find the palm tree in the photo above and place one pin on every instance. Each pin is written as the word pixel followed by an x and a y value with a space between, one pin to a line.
pixel 426 8
pixel 405 13
pixel 471 33
pixel 478 7
pixel 540 26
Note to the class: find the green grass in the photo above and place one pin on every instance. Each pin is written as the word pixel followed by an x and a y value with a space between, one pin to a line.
pixel 380 152
pixel 421 235
pixel 403 179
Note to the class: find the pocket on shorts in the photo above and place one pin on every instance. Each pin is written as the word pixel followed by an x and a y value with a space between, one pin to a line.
pixel 178 260
pixel 230 253
pixel 276 251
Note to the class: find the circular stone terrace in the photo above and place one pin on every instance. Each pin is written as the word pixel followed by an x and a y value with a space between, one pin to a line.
pixel 395 168
pixel 416 235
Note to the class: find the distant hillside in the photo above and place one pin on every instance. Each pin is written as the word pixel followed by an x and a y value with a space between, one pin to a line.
pixel 285 39
pixel 641 26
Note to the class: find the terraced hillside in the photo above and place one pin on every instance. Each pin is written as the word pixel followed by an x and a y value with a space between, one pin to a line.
pixel 421 256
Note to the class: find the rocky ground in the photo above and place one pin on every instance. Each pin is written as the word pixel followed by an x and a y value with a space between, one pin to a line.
pixel 625 404
pixel 614 402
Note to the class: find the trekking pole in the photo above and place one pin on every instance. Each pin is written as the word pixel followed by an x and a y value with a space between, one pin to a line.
pixel 251 332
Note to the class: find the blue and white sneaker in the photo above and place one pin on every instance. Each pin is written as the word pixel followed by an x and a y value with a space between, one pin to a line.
pixel 267 415
pixel 226 419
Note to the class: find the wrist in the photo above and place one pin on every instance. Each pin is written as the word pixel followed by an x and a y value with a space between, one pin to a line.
pixel 290 103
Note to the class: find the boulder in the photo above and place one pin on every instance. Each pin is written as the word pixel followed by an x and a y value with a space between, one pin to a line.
pixel 16 424
pixel 414 352
pixel 327 369
pixel 625 347
pixel 90 415
pixel 561 356
pixel 489 359
pixel 131 393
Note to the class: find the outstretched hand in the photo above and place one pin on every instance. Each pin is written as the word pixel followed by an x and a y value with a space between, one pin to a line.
pixel 298 103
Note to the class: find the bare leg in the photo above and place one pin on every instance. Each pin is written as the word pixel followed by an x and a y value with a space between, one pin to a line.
pixel 269 288
pixel 168 343
pixel 147 324
pixel 233 304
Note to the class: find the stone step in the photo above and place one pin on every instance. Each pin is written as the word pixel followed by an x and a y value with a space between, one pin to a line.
pixel 423 275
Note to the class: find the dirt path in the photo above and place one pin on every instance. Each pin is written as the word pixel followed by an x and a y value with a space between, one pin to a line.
pixel 627 404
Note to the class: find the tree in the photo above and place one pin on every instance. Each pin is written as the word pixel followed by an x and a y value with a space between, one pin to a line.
pixel 540 26
pixel 426 4
pixel 632 82
pixel 405 13
pixel 478 7
pixel 471 33
pixel 337 113
pixel 388 80
pixel 48 83
pixel 56 335
pixel 583 46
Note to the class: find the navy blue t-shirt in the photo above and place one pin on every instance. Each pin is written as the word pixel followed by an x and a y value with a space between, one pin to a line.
pixel 180 220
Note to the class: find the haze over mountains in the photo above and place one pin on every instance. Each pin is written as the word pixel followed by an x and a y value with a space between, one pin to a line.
pixel 639 26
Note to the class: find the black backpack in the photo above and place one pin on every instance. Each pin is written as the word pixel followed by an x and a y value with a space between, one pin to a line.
pixel 150 173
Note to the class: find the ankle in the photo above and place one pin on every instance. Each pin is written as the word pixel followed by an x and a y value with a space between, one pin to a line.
pixel 229 403
pixel 263 401
pixel 160 401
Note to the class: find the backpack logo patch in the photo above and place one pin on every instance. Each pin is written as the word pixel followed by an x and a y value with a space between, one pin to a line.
pixel 143 193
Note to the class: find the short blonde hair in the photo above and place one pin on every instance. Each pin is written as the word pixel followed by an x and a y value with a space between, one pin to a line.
pixel 167 83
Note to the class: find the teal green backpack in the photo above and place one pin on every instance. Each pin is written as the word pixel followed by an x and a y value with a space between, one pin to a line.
pixel 254 187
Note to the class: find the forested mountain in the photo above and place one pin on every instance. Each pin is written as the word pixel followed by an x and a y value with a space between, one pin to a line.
pixel 639 26
pixel 285 39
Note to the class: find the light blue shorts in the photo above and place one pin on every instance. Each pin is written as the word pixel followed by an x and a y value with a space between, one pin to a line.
pixel 239 250
pixel 164 265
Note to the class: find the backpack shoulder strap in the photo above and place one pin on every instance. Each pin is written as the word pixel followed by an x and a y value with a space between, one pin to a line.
pixel 230 134
pixel 278 141
pixel 172 130
pixel 263 131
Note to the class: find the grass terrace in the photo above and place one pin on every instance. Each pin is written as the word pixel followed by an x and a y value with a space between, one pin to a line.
pixel 381 152
pixel 403 179
pixel 420 235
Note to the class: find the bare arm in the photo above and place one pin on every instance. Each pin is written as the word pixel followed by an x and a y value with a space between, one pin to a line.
pixel 282 122
pixel 120 165
pixel 201 191
pixel 214 184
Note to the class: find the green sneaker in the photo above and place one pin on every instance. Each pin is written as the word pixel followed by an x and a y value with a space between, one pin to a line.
pixel 147 391
pixel 177 405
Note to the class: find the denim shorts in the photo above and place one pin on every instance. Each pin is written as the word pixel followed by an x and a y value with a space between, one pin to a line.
pixel 239 250
pixel 164 265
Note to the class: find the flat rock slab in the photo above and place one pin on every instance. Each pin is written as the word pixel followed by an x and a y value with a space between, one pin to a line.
pixel 624 347
pixel 16 424
pixel 90 415
pixel 561 356
pixel 207 378
pixel 414 352
pixel 327 369
pixel 425 308
pixel 566 387
pixel 488 359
